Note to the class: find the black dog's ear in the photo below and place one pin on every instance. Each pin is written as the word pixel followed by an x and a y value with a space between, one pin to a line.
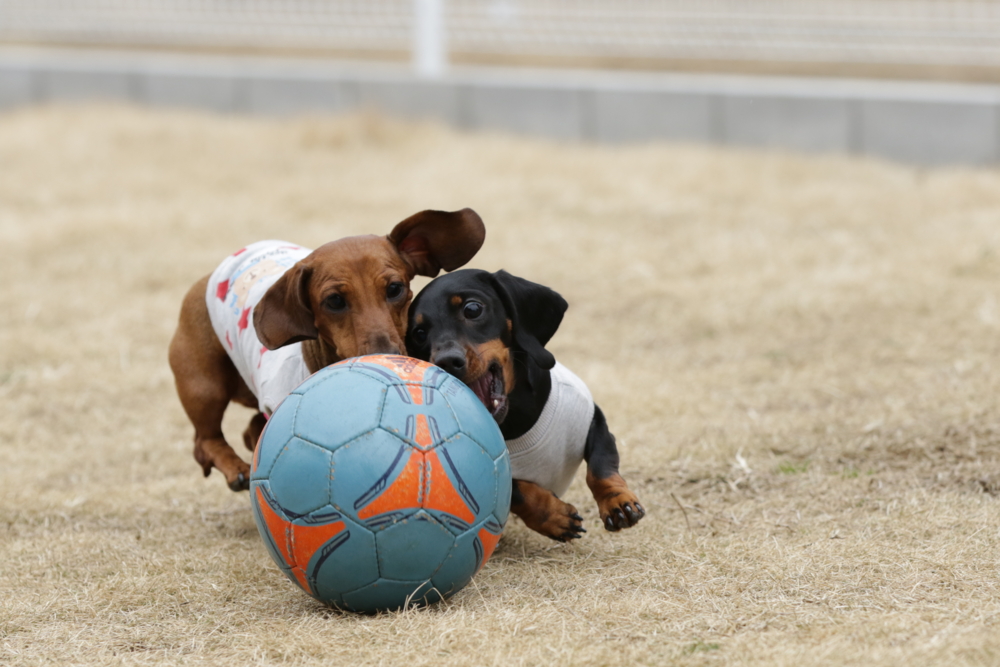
pixel 284 316
pixel 535 312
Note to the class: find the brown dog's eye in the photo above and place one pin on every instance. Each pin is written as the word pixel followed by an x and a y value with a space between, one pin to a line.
pixel 335 302
pixel 394 291
pixel 472 310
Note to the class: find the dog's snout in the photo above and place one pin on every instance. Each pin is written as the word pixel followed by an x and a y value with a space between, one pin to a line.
pixel 452 360
pixel 382 344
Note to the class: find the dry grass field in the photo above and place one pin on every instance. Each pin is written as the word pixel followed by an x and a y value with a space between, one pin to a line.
pixel 800 357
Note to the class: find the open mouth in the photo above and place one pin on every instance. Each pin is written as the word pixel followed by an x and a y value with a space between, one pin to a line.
pixel 489 387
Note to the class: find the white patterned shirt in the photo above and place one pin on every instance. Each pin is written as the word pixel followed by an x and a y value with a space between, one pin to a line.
pixel 235 287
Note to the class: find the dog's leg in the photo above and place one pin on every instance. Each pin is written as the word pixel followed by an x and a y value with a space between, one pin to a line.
pixel 619 507
pixel 206 382
pixel 256 426
pixel 544 513
pixel 257 423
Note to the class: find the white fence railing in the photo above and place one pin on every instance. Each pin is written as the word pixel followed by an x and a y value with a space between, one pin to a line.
pixel 914 32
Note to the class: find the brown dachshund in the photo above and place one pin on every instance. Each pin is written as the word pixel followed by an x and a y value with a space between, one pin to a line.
pixel 490 330
pixel 273 313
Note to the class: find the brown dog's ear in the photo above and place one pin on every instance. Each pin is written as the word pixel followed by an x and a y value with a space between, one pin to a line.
pixel 535 312
pixel 433 240
pixel 284 316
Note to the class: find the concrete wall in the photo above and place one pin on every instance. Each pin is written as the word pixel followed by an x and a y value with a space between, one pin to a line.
pixel 924 123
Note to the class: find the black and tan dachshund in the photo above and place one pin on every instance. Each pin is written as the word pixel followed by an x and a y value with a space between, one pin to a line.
pixel 489 330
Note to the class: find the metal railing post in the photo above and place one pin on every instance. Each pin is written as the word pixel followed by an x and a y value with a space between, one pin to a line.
pixel 430 39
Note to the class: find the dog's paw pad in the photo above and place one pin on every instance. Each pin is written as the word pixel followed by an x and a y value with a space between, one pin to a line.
pixel 621 511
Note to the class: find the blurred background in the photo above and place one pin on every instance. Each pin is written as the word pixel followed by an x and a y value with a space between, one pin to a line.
pixel 912 80
pixel 942 39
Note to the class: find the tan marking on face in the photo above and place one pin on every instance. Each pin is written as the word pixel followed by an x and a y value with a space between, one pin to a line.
pixel 456 300
pixel 480 357
pixel 419 319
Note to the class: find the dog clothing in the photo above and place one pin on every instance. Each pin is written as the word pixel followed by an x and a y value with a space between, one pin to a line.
pixel 233 290
pixel 552 450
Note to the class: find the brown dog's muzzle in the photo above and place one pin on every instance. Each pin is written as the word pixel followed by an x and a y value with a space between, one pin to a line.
pixel 380 343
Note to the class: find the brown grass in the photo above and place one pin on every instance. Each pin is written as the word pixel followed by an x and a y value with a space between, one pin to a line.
pixel 799 356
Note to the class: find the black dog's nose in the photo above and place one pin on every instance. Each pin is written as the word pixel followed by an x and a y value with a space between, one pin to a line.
pixel 453 361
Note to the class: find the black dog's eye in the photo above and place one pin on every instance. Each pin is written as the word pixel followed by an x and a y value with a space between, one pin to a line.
pixel 472 310
pixel 394 291
pixel 335 302
pixel 419 336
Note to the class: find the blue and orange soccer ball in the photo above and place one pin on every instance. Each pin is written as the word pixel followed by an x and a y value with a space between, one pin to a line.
pixel 380 482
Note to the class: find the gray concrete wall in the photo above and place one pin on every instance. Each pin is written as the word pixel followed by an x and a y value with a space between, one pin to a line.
pixel 923 123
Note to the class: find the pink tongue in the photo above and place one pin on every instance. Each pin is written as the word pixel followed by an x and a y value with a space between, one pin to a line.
pixel 481 388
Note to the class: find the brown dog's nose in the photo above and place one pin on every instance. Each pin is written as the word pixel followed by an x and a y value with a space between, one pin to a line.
pixel 381 344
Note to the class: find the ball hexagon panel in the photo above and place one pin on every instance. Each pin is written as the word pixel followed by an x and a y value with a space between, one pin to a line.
pixel 324 552
pixel 413 549
pixel 300 478
pixel 388 594
pixel 344 563
pixel 291 544
pixel 374 481
pixel 320 376
pixel 472 549
pixel 277 432
pixel 471 474
pixel 338 407
pixel 412 413
pixel 473 418
pixel 459 565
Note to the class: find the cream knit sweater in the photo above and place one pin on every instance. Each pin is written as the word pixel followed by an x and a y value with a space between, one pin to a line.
pixel 550 453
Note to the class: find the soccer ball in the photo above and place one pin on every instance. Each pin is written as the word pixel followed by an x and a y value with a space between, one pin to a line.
pixel 380 482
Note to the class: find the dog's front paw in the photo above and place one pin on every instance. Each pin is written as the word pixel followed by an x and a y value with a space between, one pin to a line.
pixel 619 507
pixel 544 513
pixel 621 512
pixel 562 524
pixel 241 482
pixel 236 470
pixel 216 453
